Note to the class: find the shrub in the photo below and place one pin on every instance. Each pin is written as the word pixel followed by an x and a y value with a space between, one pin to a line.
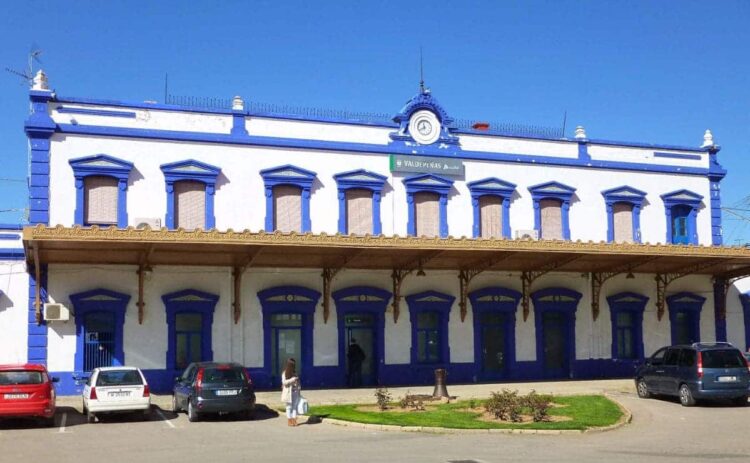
pixel 383 397
pixel 505 405
pixel 539 404
pixel 411 401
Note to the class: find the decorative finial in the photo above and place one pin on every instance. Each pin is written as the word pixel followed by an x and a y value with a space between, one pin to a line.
pixel 40 81
pixel 580 133
pixel 238 104
pixel 708 139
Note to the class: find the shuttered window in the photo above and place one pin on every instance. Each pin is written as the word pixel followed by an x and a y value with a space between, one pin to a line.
pixel 100 199
pixel 623 221
pixel 190 205
pixel 427 214
pixel 287 208
pixel 551 212
pixel 358 211
pixel 491 214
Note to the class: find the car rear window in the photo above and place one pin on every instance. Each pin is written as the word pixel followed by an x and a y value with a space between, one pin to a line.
pixel 20 377
pixel 726 358
pixel 119 378
pixel 218 375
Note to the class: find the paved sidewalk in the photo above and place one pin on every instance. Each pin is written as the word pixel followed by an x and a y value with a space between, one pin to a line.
pixel 461 391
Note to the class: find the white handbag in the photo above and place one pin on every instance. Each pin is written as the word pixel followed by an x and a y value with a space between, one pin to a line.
pixel 302 406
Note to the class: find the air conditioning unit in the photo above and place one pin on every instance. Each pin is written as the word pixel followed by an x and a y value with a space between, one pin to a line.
pixel 55 312
pixel 527 235
pixel 151 222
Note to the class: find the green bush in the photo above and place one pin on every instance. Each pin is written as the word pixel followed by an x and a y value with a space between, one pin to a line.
pixel 383 397
pixel 505 405
pixel 539 405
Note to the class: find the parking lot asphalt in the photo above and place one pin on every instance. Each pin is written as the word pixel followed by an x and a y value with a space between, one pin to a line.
pixel 661 430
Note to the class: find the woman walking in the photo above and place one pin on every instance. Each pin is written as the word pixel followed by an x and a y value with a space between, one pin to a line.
pixel 290 391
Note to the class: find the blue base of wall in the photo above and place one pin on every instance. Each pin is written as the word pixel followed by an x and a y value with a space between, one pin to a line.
pixel 162 381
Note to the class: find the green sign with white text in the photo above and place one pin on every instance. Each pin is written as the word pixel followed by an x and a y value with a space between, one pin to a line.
pixel 426 165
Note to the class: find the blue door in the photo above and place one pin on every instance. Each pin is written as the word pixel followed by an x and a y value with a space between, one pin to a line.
pixel 286 343
pixel 680 232
pixel 494 343
pixel 360 350
pixel 99 340
pixel 556 360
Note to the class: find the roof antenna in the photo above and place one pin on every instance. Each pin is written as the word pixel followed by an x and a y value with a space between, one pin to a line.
pixel 421 73
pixel 27 75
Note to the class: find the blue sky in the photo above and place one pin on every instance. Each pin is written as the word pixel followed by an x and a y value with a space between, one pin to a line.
pixel 659 72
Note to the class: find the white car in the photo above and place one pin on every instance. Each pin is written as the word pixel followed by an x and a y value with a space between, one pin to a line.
pixel 116 390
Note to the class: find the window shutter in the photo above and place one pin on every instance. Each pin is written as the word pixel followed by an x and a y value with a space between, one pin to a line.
pixel 358 211
pixel 491 213
pixel 287 208
pixel 623 221
pixel 100 200
pixel 427 214
pixel 190 205
pixel 551 211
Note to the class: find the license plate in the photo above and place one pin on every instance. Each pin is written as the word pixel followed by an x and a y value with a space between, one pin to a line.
pixel 16 396
pixel 119 394
pixel 727 379
pixel 227 392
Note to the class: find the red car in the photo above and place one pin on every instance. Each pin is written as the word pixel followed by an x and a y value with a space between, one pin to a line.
pixel 27 391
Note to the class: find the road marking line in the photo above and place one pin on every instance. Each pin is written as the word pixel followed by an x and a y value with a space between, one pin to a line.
pixel 62 423
pixel 164 418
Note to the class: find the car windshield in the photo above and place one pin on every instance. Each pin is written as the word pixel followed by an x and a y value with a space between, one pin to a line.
pixel 220 375
pixel 725 358
pixel 20 377
pixel 119 378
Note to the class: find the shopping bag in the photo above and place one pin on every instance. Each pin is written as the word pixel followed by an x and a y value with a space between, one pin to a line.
pixel 302 406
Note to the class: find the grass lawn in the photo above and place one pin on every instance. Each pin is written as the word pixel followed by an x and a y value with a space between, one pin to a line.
pixel 585 411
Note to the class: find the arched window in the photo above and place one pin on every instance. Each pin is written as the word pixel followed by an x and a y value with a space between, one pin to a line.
pixel 100 317
pixel 190 315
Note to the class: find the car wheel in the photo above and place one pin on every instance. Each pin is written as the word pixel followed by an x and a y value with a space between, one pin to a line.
pixel 686 397
pixel 90 417
pixel 175 406
pixel 642 389
pixel 191 412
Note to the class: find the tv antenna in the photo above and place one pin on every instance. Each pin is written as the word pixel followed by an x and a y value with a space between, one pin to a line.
pixel 28 74
pixel 421 72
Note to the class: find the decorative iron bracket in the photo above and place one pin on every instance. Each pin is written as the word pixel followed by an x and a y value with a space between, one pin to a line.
pixel 328 274
pixel 598 278
pixel 663 280
pixel 237 272
pixel 529 276
pixel 725 284
pixel 398 275
pixel 467 274
pixel 143 267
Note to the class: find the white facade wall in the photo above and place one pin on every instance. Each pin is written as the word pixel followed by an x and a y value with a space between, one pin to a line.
pixel 14 303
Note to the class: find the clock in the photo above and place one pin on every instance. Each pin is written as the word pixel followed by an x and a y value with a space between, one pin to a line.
pixel 424 127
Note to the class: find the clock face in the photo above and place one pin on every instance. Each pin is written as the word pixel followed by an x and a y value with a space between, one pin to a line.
pixel 424 127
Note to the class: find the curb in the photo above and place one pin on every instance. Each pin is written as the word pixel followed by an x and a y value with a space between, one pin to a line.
pixel 626 418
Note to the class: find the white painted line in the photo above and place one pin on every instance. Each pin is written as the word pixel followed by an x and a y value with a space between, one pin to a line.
pixel 62 422
pixel 164 418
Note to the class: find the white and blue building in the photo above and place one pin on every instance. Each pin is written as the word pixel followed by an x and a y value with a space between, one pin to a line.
pixel 435 244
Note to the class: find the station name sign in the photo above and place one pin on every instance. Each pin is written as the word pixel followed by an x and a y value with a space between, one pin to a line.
pixel 426 165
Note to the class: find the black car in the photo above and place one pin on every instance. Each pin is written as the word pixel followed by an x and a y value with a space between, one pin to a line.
pixel 696 371
pixel 210 387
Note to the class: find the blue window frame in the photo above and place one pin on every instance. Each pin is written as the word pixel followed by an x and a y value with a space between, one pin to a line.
pixel 626 195
pixel 190 170
pixel 685 317
pixel 427 183
pixel 181 328
pixel 360 179
pixel 626 311
pixel 429 313
pixel 290 309
pixel 292 176
pixel 556 191
pixel 681 210
pixel 491 187
pixel 494 312
pixel 102 166
pixel 99 311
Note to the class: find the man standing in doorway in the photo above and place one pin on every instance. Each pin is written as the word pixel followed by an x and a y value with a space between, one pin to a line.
pixel 355 356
